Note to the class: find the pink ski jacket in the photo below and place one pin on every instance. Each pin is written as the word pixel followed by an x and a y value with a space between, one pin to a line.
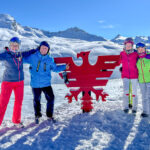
pixel 129 68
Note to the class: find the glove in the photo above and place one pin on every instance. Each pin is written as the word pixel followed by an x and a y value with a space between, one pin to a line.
pixel 120 69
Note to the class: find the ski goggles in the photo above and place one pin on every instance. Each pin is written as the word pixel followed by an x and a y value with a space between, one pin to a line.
pixel 140 45
pixel 15 40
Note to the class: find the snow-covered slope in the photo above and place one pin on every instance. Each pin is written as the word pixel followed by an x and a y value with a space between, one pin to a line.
pixel 107 127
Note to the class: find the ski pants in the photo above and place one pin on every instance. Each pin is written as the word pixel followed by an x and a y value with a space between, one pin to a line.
pixel 48 92
pixel 126 87
pixel 145 91
pixel 6 90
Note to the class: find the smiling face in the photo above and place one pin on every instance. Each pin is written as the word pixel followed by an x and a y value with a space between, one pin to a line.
pixel 43 50
pixel 141 50
pixel 128 46
pixel 14 46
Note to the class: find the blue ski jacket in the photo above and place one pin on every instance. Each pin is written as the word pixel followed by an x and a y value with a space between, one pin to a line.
pixel 40 69
pixel 13 64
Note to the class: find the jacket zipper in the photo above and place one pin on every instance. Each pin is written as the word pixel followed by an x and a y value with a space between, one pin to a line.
pixel 142 70
pixel 19 70
pixel 128 66
pixel 143 63
pixel 18 65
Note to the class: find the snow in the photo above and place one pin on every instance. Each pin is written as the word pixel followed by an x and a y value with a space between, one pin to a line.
pixel 106 127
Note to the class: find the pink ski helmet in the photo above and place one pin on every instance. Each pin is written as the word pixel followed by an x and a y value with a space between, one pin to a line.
pixel 128 40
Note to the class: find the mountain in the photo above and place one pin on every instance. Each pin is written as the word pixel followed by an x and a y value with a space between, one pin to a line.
pixel 75 33
pixel 120 39
pixel 7 21
pixel 63 43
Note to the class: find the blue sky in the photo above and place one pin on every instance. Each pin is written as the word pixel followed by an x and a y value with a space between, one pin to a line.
pixel 106 18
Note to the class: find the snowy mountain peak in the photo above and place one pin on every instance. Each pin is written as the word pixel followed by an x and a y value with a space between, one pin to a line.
pixel 77 33
pixel 6 17
pixel 119 39
pixel 7 21
pixel 75 29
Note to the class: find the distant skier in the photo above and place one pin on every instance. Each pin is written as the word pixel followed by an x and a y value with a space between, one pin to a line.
pixel 143 66
pixel 13 79
pixel 41 65
pixel 128 58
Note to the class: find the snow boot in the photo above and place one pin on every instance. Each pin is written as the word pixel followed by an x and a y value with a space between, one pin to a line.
pixel 51 119
pixel 144 115
pixel 126 110
pixel 130 106
pixel 37 120
pixel 19 125
pixel 134 111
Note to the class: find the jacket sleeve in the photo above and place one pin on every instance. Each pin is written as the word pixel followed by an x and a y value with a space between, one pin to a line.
pixel 147 56
pixel 57 68
pixel 27 60
pixel 28 53
pixel 3 55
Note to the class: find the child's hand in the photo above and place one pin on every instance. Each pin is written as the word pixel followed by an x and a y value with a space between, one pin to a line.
pixel 67 67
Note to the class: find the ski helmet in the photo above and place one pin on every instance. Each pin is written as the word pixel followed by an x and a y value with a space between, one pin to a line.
pixel 140 45
pixel 44 43
pixel 15 40
pixel 128 40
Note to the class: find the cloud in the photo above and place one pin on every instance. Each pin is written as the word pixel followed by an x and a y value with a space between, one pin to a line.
pixel 104 25
pixel 108 26
pixel 101 21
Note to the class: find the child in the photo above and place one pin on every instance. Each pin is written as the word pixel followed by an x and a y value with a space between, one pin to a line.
pixel 13 79
pixel 143 66
pixel 41 65
pixel 128 58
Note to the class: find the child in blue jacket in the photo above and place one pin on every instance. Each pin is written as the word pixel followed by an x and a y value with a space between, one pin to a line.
pixel 41 65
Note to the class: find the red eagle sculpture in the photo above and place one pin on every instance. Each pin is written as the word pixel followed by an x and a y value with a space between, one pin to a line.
pixel 86 77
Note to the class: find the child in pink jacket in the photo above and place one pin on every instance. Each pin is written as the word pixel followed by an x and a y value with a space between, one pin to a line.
pixel 128 58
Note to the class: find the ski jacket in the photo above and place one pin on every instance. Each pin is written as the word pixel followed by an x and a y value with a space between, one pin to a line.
pixel 40 69
pixel 129 68
pixel 13 64
pixel 143 65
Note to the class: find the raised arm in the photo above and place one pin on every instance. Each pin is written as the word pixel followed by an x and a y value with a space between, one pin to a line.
pixel 28 53
pixel 56 68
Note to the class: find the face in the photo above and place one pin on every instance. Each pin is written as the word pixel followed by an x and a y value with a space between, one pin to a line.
pixel 128 46
pixel 14 46
pixel 43 50
pixel 141 49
